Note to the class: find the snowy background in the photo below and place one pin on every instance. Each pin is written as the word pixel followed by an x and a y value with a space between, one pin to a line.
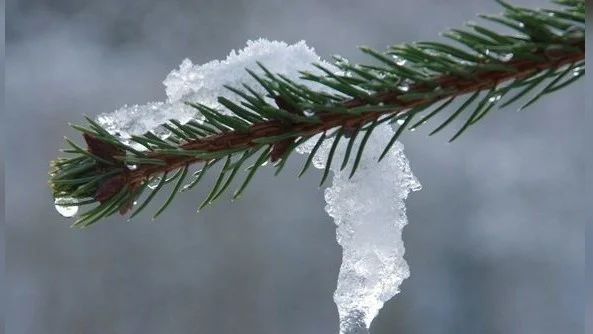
pixel 495 242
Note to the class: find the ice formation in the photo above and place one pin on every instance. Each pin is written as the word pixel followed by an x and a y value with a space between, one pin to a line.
pixel 369 212
pixel 205 83
pixel 368 208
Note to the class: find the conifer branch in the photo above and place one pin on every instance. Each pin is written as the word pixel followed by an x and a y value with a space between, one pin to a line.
pixel 410 80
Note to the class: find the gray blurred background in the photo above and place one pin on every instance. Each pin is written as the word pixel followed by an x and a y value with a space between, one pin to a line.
pixel 495 241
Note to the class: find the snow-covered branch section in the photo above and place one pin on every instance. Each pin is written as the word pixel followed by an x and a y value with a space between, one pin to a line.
pixel 368 208
pixel 369 212
pixel 205 83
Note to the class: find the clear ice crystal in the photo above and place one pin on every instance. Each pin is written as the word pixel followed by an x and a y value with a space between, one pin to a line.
pixel 369 212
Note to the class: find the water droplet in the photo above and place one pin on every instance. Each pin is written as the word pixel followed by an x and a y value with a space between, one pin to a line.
pixel 494 99
pixel 399 60
pixel 506 56
pixel 577 71
pixel 64 206
pixel 400 121
pixel 264 163
pixel 574 32
pixel 499 56
pixel 413 129
pixel 131 167
pixel 308 112
pixel 403 88
pixel 154 182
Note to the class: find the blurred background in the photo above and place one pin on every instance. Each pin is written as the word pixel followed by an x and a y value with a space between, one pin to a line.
pixel 495 240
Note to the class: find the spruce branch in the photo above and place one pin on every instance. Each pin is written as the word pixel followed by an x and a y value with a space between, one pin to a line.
pixel 407 85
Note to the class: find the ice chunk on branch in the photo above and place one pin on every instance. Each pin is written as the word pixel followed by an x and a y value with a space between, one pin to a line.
pixel 205 83
pixel 369 212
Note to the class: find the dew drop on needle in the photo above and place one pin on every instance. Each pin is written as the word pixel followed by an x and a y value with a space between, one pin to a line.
pixel 64 206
